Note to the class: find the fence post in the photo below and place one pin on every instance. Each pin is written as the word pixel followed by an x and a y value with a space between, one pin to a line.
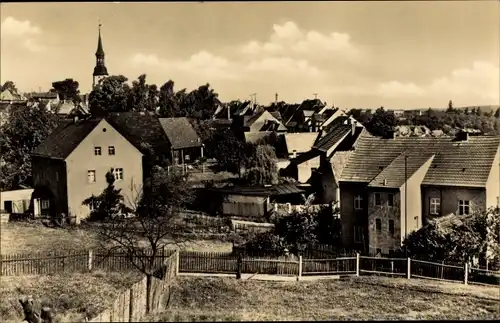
pixel 90 260
pixel 466 278
pixel 409 268
pixel 177 256
pixel 357 264
pixel 300 268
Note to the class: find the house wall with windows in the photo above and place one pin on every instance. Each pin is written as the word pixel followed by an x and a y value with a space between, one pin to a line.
pixel 104 148
pixel 456 200
pixel 354 215
pixel 384 224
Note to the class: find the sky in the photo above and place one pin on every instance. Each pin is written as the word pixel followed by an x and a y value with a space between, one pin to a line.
pixel 400 55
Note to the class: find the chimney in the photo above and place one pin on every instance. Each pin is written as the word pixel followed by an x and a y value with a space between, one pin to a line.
pixel 463 136
pixel 385 182
pixel 353 127
pixel 228 107
pixel 276 98
pixel 294 153
pixel 75 119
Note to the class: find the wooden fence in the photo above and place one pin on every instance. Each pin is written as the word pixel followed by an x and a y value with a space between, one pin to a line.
pixel 73 261
pixel 131 305
pixel 227 262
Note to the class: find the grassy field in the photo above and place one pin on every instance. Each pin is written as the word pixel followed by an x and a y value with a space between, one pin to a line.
pixel 70 295
pixel 364 298
pixel 23 237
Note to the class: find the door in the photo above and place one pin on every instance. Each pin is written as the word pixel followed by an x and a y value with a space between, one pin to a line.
pixel 7 206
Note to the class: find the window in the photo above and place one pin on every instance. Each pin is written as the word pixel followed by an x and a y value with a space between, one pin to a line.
pixel 390 199
pixel 111 150
pixel 378 224
pixel 91 176
pixel 187 157
pixel 359 235
pixel 463 207
pixel 97 151
pixel 391 226
pixel 118 172
pixel 435 205
pixel 45 204
pixel 358 202
pixel 378 200
pixel 379 251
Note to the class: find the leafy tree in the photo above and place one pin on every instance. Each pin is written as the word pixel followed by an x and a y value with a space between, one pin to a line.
pixel 143 96
pixel 200 103
pixel 229 151
pixel 25 129
pixel 467 111
pixel 169 105
pixel 67 90
pixel 109 204
pixel 460 239
pixel 478 111
pixel 260 165
pixel 382 123
pixel 450 106
pixel 110 95
pixel 497 113
pixel 299 230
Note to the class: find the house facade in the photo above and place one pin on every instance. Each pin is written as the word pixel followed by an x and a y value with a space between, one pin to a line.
pixel 70 166
pixel 392 187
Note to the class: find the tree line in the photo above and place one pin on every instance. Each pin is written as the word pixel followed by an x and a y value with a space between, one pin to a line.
pixel 382 122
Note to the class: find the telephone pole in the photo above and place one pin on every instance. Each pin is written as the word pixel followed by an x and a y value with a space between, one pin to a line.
pixel 253 98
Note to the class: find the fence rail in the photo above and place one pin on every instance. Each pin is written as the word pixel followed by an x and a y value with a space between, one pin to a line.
pixel 227 262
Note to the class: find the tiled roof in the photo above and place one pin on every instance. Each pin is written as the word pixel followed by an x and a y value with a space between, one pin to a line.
pixel 180 133
pixel 394 174
pixel 140 128
pixel 251 119
pixel 333 137
pixel 300 142
pixel 456 163
pixel 65 138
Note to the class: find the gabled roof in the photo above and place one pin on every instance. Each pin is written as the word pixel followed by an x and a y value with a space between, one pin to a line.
pixel 276 114
pixel 251 119
pixel 180 133
pixel 300 142
pixel 394 175
pixel 456 163
pixel 65 138
pixel 333 137
pixel 140 128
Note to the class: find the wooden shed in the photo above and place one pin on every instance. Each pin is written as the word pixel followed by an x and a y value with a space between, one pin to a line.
pixel 254 201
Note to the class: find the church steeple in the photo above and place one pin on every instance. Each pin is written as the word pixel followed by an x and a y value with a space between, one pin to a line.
pixel 100 69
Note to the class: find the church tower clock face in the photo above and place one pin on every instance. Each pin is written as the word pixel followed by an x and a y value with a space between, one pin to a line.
pixel 100 70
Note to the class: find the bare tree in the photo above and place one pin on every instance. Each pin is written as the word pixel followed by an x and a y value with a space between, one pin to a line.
pixel 155 220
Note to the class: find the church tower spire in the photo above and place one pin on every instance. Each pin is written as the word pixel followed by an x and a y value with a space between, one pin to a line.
pixel 100 69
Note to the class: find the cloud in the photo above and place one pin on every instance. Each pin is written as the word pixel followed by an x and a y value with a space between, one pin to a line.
pixel 481 81
pixel 13 27
pixel 289 39
pixel 395 89
pixel 23 32
pixel 145 59
pixel 284 66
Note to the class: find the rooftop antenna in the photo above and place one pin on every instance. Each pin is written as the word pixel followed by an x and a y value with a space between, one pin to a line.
pixel 315 95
